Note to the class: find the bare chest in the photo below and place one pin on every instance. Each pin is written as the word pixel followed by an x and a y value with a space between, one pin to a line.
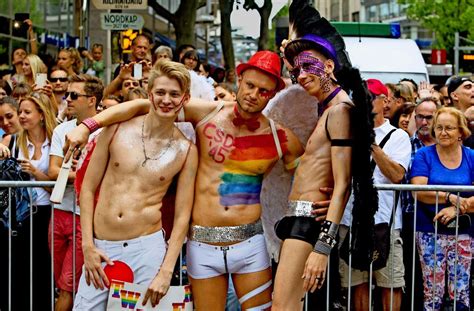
pixel 158 163
pixel 249 153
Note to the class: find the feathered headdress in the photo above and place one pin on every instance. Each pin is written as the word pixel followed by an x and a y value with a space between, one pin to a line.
pixel 304 19
pixel 306 24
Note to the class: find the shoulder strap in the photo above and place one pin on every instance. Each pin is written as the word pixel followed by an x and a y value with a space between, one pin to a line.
pixel 13 146
pixel 382 143
pixel 211 114
pixel 181 115
pixel 397 196
pixel 275 138
pixel 337 142
pixel 386 138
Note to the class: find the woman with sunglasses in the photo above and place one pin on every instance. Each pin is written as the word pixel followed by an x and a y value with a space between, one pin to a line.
pixel 447 162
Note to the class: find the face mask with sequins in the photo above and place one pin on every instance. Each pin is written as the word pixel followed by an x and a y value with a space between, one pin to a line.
pixel 307 62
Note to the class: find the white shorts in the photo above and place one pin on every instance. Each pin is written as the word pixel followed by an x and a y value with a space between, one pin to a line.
pixel 144 255
pixel 206 261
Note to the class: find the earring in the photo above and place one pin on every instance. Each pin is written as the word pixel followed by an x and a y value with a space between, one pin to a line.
pixel 459 139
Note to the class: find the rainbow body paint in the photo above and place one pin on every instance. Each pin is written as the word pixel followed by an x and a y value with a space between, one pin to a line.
pixel 243 173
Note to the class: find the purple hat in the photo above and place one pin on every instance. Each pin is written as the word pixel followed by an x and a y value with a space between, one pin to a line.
pixel 321 45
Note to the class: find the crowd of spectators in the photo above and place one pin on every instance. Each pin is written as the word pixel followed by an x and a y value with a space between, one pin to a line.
pixel 431 145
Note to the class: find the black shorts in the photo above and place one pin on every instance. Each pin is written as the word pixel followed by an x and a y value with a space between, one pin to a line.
pixel 300 228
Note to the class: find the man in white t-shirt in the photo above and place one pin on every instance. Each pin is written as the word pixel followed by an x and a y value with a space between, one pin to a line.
pixel 83 94
pixel 391 164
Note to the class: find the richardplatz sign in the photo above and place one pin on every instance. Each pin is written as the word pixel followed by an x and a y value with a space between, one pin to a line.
pixel 120 4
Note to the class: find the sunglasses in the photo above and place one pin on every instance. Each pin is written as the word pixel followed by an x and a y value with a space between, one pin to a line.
pixel 75 95
pixel 61 79
pixel 134 84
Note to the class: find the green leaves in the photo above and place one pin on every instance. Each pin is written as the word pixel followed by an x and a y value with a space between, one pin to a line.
pixel 444 18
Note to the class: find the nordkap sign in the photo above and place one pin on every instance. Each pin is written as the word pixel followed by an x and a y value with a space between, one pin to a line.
pixel 121 21
pixel 120 4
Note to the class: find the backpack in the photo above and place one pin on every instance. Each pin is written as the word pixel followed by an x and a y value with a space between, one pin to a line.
pixel 21 197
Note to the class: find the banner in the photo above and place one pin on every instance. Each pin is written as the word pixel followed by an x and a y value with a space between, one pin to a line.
pixel 129 296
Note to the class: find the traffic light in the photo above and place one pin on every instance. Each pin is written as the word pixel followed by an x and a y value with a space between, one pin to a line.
pixel 127 38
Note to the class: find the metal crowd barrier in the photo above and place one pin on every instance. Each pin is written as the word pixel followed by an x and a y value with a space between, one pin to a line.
pixel 382 187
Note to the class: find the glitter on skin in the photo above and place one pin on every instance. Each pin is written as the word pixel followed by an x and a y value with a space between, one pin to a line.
pixel 307 62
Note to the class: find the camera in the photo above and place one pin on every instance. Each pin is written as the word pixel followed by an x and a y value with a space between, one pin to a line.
pixel 20 28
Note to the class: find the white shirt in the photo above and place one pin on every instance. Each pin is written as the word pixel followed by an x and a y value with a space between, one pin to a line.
pixel 57 142
pixel 398 149
pixel 42 164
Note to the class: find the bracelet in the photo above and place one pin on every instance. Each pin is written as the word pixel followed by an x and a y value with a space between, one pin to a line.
pixel 91 124
pixel 330 228
pixel 446 198
pixel 325 244
pixel 322 248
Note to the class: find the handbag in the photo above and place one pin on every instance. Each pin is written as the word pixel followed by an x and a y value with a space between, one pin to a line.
pixel 21 197
pixel 381 238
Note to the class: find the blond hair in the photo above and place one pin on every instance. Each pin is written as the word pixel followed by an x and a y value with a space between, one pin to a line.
pixel 460 118
pixel 171 70
pixel 76 57
pixel 37 65
pixel 44 106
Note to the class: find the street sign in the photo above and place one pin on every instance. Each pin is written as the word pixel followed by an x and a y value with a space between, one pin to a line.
pixel 120 4
pixel 438 57
pixel 121 21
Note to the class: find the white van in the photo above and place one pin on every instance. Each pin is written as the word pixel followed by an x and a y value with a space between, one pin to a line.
pixel 388 60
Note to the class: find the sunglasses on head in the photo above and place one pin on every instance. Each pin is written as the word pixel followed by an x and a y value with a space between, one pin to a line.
pixel 61 79
pixel 74 95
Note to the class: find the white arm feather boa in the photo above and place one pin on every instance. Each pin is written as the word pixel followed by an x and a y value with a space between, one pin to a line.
pixel 294 109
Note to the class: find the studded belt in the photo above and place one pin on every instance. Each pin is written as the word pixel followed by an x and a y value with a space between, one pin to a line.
pixel 300 209
pixel 225 234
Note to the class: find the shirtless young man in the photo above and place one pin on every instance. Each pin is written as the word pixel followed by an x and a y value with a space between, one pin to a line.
pixel 237 146
pixel 325 163
pixel 134 163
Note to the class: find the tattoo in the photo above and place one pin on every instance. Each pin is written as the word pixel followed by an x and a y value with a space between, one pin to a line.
pixel 325 82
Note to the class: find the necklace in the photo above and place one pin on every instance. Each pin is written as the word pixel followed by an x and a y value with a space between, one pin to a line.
pixel 162 152
pixel 323 105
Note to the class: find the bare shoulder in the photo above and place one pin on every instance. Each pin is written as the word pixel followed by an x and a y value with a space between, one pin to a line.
pixel 181 140
pixel 196 109
pixel 342 107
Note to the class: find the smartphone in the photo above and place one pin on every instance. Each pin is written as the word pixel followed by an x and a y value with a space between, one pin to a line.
pixel 21 17
pixel 137 71
pixel 20 28
pixel 41 79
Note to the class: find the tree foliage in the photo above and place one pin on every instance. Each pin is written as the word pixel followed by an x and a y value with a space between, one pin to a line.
pixel 444 18
pixel 183 20
pixel 264 11
pixel 226 7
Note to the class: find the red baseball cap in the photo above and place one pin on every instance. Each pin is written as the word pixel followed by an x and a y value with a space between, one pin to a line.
pixel 266 61
pixel 376 87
